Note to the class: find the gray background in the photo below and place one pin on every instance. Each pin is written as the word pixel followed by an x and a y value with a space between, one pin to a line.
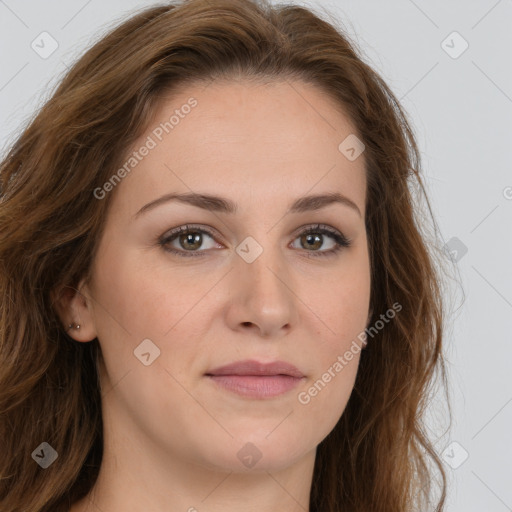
pixel 461 109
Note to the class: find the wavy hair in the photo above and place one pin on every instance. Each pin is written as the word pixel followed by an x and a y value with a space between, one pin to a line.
pixel 378 457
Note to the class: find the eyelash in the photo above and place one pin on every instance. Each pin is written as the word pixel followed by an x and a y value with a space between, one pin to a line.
pixel 341 240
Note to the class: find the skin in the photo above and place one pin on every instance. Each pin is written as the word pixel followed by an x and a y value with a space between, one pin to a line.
pixel 171 435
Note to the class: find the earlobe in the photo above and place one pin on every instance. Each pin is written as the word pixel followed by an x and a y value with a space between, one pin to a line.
pixel 73 306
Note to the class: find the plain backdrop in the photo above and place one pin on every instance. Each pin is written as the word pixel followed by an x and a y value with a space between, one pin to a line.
pixel 450 65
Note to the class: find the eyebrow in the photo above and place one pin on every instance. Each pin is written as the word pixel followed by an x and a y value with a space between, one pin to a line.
pixel 222 205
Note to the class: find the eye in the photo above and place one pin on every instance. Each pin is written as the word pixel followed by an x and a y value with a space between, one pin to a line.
pixel 188 240
pixel 314 237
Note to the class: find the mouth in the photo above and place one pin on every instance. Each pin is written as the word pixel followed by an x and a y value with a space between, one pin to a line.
pixel 257 380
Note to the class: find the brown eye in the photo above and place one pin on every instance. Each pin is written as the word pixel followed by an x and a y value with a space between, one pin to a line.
pixel 188 241
pixel 311 241
pixel 315 237
pixel 191 241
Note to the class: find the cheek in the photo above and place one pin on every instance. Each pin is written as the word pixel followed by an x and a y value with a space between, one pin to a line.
pixel 137 300
pixel 142 299
pixel 322 400
pixel 341 306
pixel 340 303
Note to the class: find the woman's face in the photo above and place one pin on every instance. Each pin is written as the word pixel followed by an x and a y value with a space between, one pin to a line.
pixel 246 282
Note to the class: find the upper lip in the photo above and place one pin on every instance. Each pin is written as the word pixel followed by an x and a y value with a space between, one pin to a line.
pixel 251 367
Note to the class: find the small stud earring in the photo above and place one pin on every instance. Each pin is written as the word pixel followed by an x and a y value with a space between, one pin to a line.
pixel 70 326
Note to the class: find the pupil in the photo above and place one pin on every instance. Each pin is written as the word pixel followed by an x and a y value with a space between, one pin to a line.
pixel 192 239
pixel 313 240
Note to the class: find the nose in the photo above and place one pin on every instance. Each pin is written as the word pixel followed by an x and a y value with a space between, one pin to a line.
pixel 262 297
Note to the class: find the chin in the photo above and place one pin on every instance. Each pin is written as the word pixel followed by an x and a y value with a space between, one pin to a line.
pixel 256 453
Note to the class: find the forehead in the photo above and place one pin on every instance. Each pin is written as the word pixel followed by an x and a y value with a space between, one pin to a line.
pixel 271 140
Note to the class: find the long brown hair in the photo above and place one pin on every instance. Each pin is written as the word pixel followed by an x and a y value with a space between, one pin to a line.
pixel 378 457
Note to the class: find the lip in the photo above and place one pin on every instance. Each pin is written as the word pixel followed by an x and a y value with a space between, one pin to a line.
pixel 252 367
pixel 255 379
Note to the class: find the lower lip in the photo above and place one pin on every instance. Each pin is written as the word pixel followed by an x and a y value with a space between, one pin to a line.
pixel 262 386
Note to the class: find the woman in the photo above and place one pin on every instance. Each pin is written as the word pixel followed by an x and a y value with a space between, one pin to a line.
pixel 215 291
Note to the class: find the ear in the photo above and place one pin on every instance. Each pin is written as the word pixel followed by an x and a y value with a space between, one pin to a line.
pixel 74 307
